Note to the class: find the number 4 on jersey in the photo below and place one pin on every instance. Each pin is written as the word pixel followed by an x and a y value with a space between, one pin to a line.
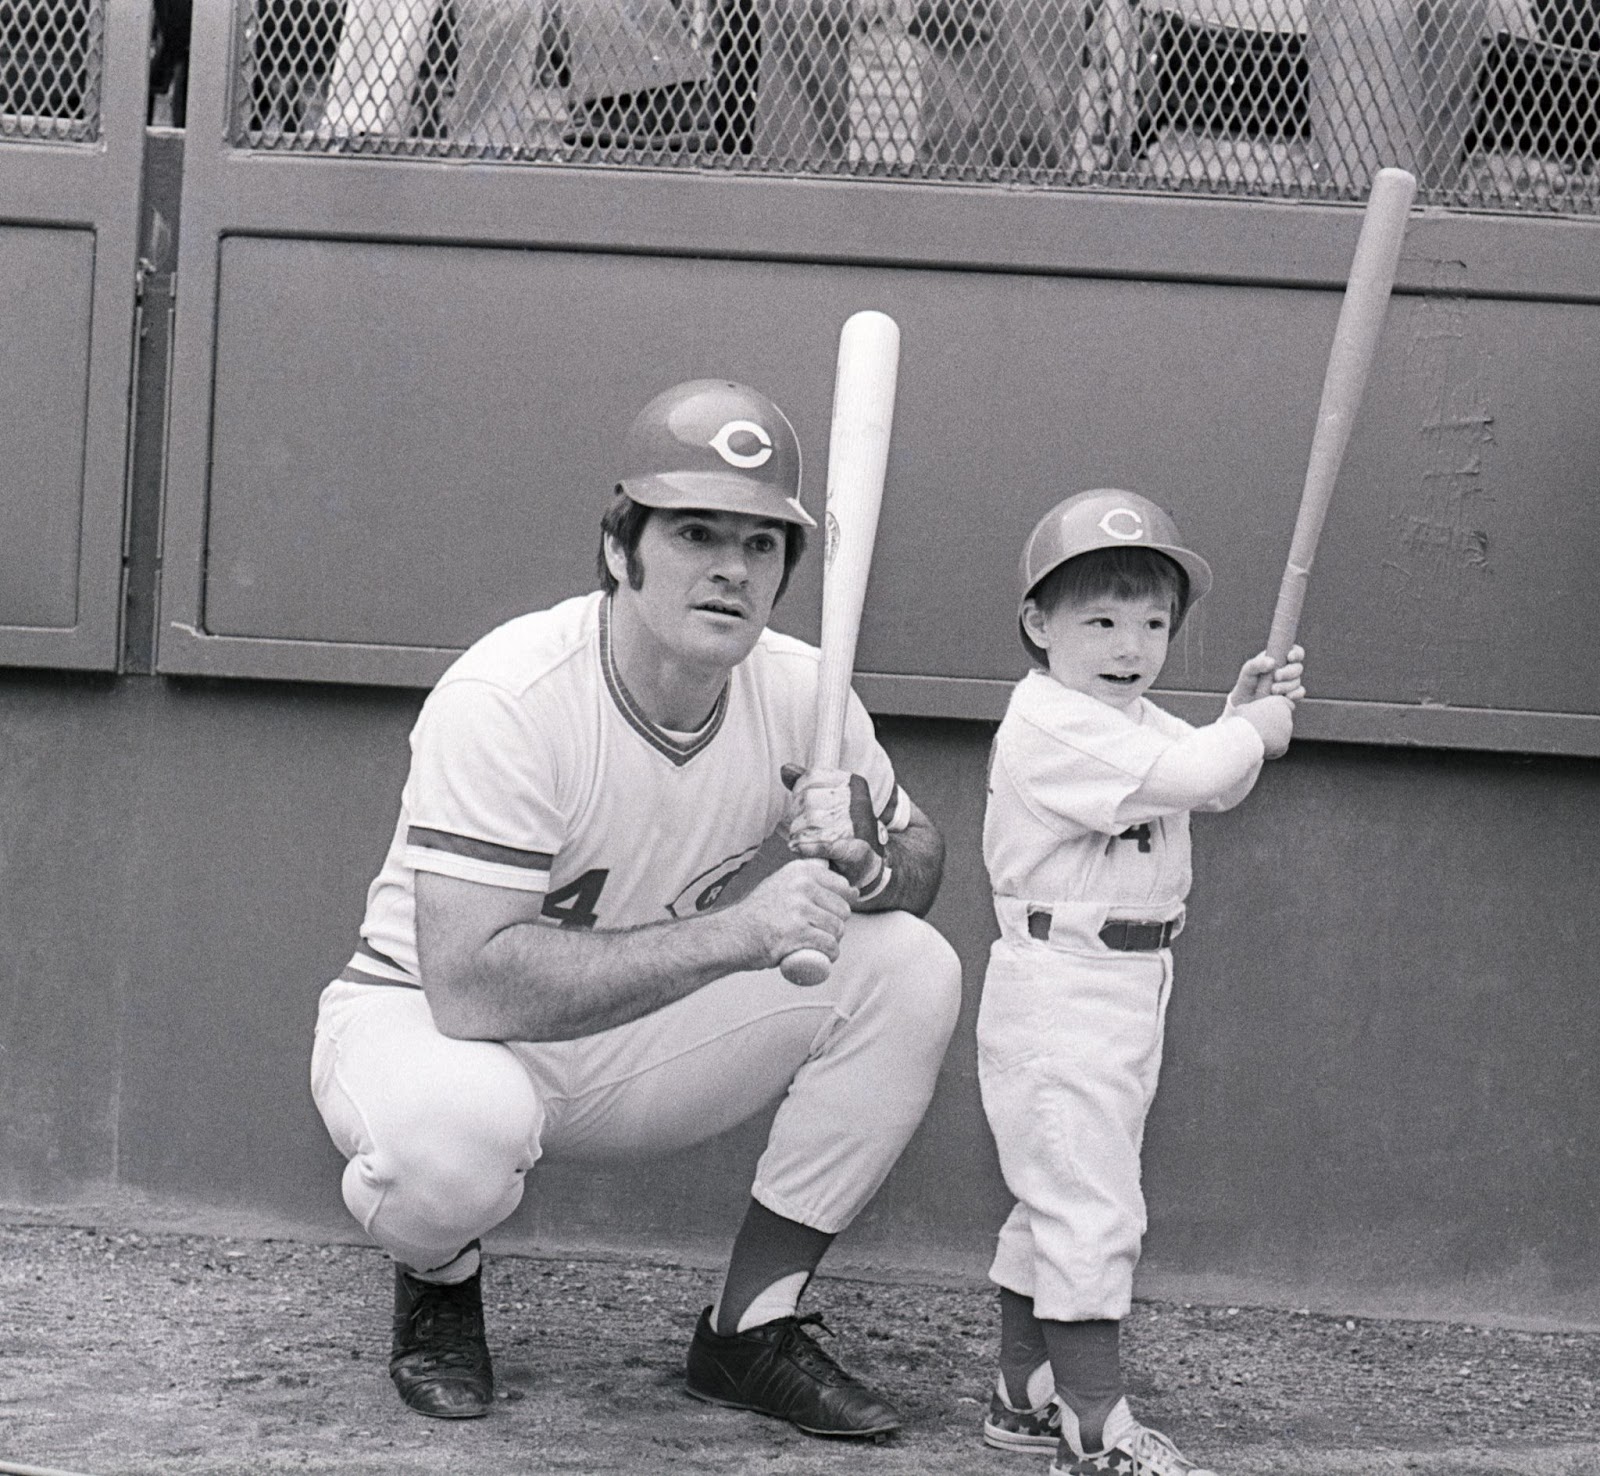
pixel 1140 833
pixel 573 905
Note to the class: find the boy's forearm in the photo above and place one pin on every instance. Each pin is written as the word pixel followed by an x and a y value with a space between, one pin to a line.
pixel 1214 766
pixel 1231 797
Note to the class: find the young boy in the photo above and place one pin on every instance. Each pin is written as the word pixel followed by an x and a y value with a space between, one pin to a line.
pixel 1086 839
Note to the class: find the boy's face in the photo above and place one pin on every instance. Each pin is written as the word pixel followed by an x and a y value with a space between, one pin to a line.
pixel 1108 648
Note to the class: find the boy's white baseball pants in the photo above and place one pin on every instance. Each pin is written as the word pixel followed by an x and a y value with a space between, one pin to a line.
pixel 1069 1049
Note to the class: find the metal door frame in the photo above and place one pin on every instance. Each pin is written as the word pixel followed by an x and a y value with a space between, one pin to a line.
pixel 93 186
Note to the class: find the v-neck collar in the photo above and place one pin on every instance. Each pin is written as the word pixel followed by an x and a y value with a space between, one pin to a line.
pixel 678 750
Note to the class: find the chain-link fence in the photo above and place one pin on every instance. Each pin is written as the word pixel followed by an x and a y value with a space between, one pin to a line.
pixel 1495 104
pixel 51 57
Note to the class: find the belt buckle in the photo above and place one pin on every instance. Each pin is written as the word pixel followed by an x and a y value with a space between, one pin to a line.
pixel 1130 935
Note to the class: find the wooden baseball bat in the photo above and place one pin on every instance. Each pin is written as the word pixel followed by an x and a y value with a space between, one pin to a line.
pixel 858 454
pixel 1355 344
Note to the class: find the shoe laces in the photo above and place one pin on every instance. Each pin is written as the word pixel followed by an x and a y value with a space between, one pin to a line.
pixel 805 1351
pixel 448 1329
pixel 1155 1455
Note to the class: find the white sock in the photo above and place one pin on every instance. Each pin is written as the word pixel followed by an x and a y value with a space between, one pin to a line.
pixel 454 1271
pixel 1041 1386
pixel 1119 1422
pixel 781 1299
pixel 1041 1389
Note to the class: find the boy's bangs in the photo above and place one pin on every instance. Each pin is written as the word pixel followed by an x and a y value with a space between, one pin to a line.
pixel 1116 573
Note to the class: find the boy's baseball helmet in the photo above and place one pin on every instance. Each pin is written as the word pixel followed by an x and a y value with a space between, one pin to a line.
pixel 1106 518
pixel 710 443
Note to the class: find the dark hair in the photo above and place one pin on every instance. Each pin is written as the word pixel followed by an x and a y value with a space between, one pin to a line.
pixel 1118 573
pixel 624 520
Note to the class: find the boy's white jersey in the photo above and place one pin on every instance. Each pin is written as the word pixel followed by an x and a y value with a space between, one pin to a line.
pixel 532 768
pixel 1062 766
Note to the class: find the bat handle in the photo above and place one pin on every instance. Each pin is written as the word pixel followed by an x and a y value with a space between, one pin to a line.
pixel 810 966
pixel 1285 622
pixel 806 967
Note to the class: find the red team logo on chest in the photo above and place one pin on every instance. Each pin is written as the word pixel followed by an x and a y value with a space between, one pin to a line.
pixel 704 890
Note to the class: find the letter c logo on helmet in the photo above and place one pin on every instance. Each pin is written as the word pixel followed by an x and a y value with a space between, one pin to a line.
pixel 1110 527
pixel 746 430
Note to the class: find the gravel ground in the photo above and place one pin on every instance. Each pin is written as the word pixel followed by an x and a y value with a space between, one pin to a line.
pixel 131 1351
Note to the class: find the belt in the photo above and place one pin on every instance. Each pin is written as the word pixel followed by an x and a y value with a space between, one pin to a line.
pixel 355 974
pixel 1124 934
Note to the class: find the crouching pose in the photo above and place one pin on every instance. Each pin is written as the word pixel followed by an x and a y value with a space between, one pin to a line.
pixel 607 843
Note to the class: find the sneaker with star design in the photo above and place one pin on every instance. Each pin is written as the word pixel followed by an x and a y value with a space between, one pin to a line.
pixel 1010 1428
pixel 1127 1448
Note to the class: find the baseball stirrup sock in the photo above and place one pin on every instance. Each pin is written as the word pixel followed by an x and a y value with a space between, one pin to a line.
pixel 769 1252
pixel 1086 1358
pixel 1022 1353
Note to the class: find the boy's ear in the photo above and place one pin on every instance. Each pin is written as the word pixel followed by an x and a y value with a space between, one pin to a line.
pixel 1033 623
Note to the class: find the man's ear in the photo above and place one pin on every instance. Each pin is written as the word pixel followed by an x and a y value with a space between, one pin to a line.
pixel 616 559
pixel 1033 624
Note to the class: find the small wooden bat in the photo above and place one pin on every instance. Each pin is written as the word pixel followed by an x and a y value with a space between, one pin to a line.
pixel 1355 343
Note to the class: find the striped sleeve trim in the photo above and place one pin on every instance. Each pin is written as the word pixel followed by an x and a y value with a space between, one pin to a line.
pixel 896 815
pixel 468 868
pixel 419 837
pixel 469 859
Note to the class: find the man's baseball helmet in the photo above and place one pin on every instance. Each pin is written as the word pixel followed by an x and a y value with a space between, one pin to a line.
pixel 1106 518
pixel 710 443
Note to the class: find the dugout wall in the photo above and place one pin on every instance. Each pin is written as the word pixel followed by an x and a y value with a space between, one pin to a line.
pixel 431 262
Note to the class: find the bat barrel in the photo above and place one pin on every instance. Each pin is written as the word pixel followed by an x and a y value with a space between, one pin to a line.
pixel 1355 344
pixel 864 387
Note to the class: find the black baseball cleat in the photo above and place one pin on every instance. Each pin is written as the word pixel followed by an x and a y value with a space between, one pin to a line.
pixel 440 1358
pixel 778 1369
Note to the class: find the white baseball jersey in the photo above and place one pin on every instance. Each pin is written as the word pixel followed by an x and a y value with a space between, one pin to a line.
pixel 1058 830
pixel 533 768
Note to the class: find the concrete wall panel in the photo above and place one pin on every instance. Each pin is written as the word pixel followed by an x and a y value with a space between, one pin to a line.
pixel 412 442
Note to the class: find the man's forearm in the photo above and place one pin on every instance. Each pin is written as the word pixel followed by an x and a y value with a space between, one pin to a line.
pixel 533 982
pixel 493 971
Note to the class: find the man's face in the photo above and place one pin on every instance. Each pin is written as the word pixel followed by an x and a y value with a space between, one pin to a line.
pixel 710 579
pixel 1108 648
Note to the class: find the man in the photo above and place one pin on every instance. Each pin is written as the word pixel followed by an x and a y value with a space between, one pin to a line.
pixel 572 946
